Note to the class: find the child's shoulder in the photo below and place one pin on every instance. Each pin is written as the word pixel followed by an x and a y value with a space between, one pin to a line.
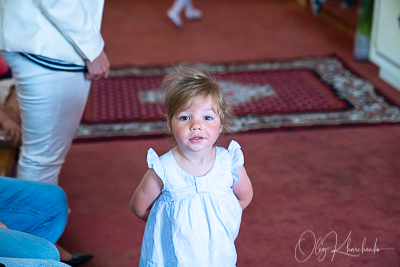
pixel 165 158
pixel 159 164
pixel 233 152
pixel 232 147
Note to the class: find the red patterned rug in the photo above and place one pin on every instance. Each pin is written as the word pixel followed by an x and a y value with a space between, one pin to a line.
pixel 265 95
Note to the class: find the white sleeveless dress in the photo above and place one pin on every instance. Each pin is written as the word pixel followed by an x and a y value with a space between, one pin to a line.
pixel 195 220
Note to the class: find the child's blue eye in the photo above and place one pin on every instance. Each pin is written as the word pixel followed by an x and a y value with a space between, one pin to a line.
pixel 183 118
pixel 208 118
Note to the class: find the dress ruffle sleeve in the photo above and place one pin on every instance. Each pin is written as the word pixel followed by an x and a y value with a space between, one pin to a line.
pixel 153 162
pixel 237 158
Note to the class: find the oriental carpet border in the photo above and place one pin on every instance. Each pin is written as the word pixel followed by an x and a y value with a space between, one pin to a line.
pixel 366 106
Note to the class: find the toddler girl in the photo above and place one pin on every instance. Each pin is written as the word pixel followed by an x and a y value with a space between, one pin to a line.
pixel 192 197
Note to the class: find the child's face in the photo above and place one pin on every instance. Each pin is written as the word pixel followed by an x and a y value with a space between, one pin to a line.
pixel 198 127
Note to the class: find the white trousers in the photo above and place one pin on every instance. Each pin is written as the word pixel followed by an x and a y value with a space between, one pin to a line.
pixel 51 104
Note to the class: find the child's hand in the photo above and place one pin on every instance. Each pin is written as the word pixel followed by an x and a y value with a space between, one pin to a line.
pixel 12 132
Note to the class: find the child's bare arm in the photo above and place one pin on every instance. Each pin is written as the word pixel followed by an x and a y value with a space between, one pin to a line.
pixel 243 188
pixel 145 194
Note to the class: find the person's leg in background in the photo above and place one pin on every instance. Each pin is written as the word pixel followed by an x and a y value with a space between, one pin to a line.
pixel 20 249
pixel 51 104
pixel 174 12
pixel 39 209
pixel 35 214
pixel 35 208
pixel 191 12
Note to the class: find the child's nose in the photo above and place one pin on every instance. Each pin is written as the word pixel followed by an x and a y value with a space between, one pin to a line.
pixel 195 126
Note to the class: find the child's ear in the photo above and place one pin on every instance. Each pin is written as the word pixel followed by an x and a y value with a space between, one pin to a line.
pixel 169 126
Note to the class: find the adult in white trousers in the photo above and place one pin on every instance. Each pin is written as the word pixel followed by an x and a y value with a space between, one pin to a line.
pixel 54 49
pixel 51 104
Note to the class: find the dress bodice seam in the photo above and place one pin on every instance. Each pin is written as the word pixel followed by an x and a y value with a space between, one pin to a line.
pixel 192 176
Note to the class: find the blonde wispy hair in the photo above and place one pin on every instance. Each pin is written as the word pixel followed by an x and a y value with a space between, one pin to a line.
pixel 185 86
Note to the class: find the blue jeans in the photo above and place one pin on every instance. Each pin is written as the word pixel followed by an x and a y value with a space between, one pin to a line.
pixel 18 249
pixel 36 215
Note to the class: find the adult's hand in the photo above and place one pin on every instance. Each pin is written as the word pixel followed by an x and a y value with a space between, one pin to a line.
pixel 99 68
pixel 12 132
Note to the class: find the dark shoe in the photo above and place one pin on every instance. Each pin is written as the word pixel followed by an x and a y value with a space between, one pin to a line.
pixel 78 259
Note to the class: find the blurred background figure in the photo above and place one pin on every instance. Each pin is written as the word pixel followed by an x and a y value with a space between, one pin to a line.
pixel 191 13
